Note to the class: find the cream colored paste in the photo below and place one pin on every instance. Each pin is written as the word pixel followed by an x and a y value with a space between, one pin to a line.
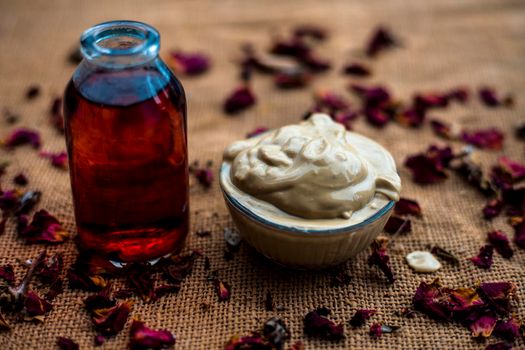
pixel 314 170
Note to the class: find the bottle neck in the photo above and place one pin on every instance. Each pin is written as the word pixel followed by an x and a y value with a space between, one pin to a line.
pixel 120 44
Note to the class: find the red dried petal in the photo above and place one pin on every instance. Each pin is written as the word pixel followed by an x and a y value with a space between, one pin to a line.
pixel 44 228
pixel 519 234
pixel 376 330
pixel 481 323
pixel 490 138
pixel 398 225
pixel 222 289
pixel 32 92
pixel 7 273
pixel 498 295
pixel 361 316
pixel 140 279
pixel 204 176
pixel 490 98
pixel 508 330
pixel 501 243
pixel 314 62
pixel 295 47
pixel 330 101
pixel 257 131
pixel 492 208
pixel 460 94
pixel 50 268
pixel 99 340
pixel 58 160
pixel 380 40
pixel 407 206
pixel 240 99
pixel 142 337
pixel 514 169
pixel 443 129
pixel 499 346
pixel 433 300
pixel 87 273
pixel 411 117
pixel 430 100
pixel 464 300
pixel 20 179
pixel 373 96
pixel 178 267
pixel 379 257
pixel 317 324
pixel 377 117
pixel 356 69
pixel 23 136
pixel 9 201
pixel 189 63
pixel 429 167
pixel 291 78
pixel 484 258
pixel 254 341
pixel 35 305
pixel 67 344
pixel 110 321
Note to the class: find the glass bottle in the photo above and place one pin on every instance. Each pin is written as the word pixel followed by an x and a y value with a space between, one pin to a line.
pixel 126 134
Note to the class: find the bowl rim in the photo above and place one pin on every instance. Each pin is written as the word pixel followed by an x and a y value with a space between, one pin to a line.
pixel 297 230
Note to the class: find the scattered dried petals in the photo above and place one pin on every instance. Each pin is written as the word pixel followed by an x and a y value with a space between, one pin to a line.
pixel 356 69
pixel 376 330
pixel 501 243
pixel 58 160
pixel 379 257
pixel 291 78
pixel 514 169
pixel 339 278
pixel 429 167
pixel 179 267
pixel 189 63
pixel 484 258
pixel 32 92
pixel 519 234
pixel 7 273
pixel 490 98
pixel 398 225
pixel 142 337
pixel 317 324
pixel 432 299
pixel 377 117
pixel 508 330
pixel 35 305
pixel 111 320
pixel 492 208
pixel 67 344
pixel 222 289
pixel 240 99
pixel 499 346
pixel 490 138
pixel 44 228
pixel 204 176
pixel 380 40
pixel 498 295
pixel 444 130
pixel 20 179
pixel 407 206
pixel 481 323
pixel 361 316
pixel 23 136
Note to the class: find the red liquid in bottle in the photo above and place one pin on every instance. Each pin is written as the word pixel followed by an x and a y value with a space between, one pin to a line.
pixel 127 148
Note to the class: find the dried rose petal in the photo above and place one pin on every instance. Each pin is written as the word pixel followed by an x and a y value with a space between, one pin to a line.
pixel 519 234
pixel 464 300
pixel 179 267
pixel 373 96
pixel 380 40
pixel 356 69
pixel 32 92
pixel 111 320
pixel 330 101
pixel 445 255
pixel 9 201
pixel 396 224
pixel 56 288
pixel 99 340
pixel 204 176
pixel 310 31
pixel 87 274
pixel 443 129
pixel 514 169
pixel 7 273
pixel 411 117
pixel 498 295
pixel 291 78
pixel 257 131
pixel 430 100
pixel 429 167
pixel 315 63
pixel 489 97
pixel 339 278
pixel 142 337
pixel 189 63
pixel 317 324
pixel 295 47
pixel 254 341
pixel 499 346
pixel 50 268
pixel 240 99
pixel 481 323
pixel 20 180
pixel 377 117
pixel 379 257
pixel 67 344
pixel 35 305
pixel 44 228
pixel 508 330
pixel 484 258
pixel 361 316
pixel 23 136
pixel 407 206
pixel 460 94
pixel 376 330
pixel 432 300
pixel 140 279
pixel 222 289
pixel 492 208
pixel 501 243
pixel 490 138
pixel 55 114
pixel 58 160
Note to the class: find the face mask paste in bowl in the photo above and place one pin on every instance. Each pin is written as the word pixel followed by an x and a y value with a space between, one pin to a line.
pixel 309 195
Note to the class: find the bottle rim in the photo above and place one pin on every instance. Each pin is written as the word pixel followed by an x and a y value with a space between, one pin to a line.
pixel 115 42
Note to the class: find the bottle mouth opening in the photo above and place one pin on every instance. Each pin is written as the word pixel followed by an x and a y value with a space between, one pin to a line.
pixel 120 39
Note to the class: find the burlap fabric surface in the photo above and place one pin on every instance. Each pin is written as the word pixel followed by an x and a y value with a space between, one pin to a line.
pixel 446 43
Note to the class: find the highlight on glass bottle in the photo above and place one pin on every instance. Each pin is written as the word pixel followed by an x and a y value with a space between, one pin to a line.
pixel 126 134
